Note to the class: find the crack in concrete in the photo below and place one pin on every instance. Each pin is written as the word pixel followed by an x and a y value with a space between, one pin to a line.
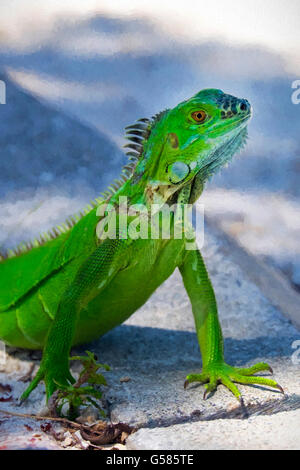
pixel 274 406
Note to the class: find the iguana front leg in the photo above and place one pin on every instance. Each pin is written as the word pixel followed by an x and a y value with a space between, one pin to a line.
pixel 209 333
pixel 95 273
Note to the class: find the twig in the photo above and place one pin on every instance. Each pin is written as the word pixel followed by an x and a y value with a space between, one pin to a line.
pixel 51 418
pixel 42 418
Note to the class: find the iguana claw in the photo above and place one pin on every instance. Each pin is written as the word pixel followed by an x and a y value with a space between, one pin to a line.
pixel 216 373
pixel 52 377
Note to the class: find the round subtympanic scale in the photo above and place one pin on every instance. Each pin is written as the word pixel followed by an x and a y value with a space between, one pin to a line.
pixel 178 171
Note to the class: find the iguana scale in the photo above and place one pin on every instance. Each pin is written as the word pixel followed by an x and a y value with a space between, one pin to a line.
pixel 72 286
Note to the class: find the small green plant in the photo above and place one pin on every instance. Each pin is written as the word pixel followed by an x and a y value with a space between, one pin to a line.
pixel 78 394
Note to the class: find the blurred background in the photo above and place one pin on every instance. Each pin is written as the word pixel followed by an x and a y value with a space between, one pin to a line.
pixel 77 72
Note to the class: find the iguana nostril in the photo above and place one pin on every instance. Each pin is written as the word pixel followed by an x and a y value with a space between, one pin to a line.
pixel 244 106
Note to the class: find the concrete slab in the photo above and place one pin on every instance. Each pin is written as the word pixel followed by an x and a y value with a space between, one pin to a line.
pixel 280 431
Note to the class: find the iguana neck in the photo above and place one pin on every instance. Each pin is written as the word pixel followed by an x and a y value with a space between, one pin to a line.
pixel 139 189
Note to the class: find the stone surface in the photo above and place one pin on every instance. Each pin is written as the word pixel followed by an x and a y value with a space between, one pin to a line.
pixel 43 147
pixel 266 224
pixel 279 431
pixel 24 434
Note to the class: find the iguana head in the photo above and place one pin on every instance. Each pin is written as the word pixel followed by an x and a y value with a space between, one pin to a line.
pixel 188 144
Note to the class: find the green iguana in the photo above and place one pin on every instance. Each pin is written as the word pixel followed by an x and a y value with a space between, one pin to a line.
pixel 72 285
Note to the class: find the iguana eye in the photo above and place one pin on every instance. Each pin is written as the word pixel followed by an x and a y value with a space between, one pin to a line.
pixel 199 116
